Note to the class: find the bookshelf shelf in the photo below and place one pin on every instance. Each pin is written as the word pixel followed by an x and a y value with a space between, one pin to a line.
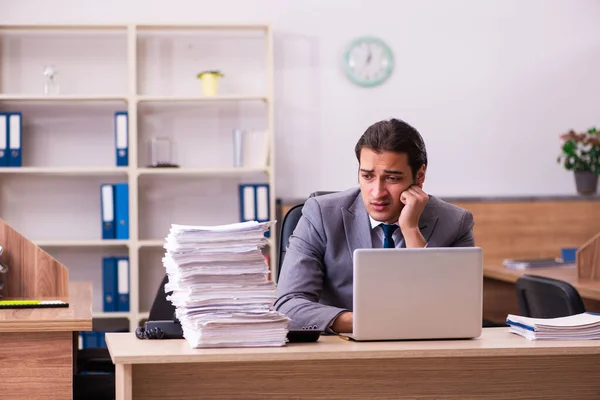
pixel 217 172
pixel 100 314
pixel 82 243
pixel 151 243
pixel 201 99
pixel 62 98
pixel 72 171
pixel 68 142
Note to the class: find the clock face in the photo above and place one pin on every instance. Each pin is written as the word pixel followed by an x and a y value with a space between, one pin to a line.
pixel 368 61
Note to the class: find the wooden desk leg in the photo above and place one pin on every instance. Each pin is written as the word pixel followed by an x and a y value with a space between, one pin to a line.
pixel 123 382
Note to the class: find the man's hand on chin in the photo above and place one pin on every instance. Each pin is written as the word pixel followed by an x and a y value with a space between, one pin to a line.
pixel 414 200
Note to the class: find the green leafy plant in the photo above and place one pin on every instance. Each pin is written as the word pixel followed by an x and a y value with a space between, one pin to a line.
pixel 216 72
pixel 581 151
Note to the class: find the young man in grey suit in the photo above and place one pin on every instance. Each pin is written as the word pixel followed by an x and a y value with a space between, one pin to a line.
pixel 390 209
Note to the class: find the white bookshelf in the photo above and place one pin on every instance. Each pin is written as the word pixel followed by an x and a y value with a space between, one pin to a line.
pixel 201 99
pixel 61 98
pixel 68 137
pixel 72 171
pixel 82 243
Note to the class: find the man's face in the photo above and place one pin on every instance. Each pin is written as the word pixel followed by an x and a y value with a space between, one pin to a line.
pixel 383 177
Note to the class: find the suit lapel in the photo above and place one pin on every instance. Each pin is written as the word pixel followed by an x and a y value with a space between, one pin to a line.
pixel 357 226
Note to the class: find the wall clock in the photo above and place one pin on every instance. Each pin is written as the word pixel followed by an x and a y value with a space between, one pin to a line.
pixel 368 61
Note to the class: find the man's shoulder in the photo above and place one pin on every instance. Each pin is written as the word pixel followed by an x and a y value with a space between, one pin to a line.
pixel 439 207
pixel 337 200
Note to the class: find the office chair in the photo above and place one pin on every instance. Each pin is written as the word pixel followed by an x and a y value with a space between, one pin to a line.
pixel 287 228
pixel 94 371
pixel 162 309
pixel 94 378
pixel 541 297
pixel 290 220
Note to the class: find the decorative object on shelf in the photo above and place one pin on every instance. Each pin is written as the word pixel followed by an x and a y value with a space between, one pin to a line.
pixel 210 82
pixel 238 147
pixel 51 87
pixel 250 148
pixel 368 61
pixel 256 149
pixel 581 154
pixel 161 153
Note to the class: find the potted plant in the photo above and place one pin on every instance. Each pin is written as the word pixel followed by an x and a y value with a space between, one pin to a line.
pixel 581 154
pixel 210 82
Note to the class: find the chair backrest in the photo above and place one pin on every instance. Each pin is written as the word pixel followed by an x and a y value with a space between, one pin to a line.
pixel 290 220
pixel 542 297
pixel 287 228
pixel 162 309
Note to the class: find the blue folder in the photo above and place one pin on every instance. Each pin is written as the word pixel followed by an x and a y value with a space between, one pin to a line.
pixel 254 203
pixel 122 138
pixel 109 284
pixel 4 151
pixel 123 284
pixel 122 210
pixel 107 211
pixel 15 127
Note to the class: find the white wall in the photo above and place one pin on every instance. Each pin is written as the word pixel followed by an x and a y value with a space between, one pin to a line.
pixel 490 84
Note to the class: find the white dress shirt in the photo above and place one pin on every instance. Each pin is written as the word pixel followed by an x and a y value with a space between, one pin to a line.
pixel 378 236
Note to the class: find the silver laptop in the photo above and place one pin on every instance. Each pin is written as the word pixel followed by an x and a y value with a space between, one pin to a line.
pixel 430 293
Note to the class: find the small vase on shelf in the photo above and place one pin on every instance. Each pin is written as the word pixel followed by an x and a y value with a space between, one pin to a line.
pixel 210 82
pixel 51 87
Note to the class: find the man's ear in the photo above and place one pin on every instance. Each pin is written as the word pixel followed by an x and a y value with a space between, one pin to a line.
pixel 421 176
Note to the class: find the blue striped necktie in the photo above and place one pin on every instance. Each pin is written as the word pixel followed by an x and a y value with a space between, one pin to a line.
pixel 388 231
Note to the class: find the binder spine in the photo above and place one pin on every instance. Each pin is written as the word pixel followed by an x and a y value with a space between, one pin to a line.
pixel 254 203
pixel 123 284
pixel 107 205
pixel 15 126
pixel 4 151
pixel 122 138
pixel 122 210
pixel 109 284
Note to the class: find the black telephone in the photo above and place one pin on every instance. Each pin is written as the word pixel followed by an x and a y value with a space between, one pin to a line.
pixel 166 329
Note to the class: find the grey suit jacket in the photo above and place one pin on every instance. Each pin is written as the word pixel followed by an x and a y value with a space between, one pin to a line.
pixel 316 279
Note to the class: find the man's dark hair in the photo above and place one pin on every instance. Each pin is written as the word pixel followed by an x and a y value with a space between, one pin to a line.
pixel 396 136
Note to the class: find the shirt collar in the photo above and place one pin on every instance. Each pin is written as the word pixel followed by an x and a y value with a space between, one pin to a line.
pixel 375 224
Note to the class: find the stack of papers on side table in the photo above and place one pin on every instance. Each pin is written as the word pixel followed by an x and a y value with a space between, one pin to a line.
pixel 574 327
pixel 221 291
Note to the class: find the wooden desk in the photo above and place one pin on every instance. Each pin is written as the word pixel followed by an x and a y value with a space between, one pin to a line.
pixel 36 347
pixel 498 365
pixel 499 296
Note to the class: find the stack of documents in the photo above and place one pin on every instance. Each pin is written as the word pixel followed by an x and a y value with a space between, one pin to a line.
pixel 221 291
pixel 575 327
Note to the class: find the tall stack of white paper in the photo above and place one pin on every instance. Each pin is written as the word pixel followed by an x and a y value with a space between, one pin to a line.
pixel 574 327
pixel 221 291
